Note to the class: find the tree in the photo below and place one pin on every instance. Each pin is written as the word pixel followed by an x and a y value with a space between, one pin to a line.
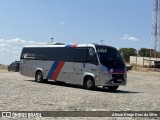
pixel 145 52
pixel 127 52
pixel 158 54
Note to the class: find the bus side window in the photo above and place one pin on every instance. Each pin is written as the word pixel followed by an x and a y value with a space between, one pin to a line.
pixel 91 56
pixel 28 53
pixel 80 55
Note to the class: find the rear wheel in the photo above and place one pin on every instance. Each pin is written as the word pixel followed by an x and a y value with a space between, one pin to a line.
pixel 89 83
pixel 112 88
pixel 39 77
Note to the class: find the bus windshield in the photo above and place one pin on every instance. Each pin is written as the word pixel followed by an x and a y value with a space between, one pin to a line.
pixel 110 57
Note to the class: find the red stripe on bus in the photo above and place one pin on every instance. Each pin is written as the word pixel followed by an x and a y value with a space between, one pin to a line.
pixel 57 71
pixel 74 45
pixel 59 67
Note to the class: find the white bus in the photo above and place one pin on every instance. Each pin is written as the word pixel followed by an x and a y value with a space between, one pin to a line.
pixel 90 65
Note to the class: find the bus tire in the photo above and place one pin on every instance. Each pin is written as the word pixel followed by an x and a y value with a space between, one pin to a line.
pixel 112 88
pixel 89 83
pixel 39 77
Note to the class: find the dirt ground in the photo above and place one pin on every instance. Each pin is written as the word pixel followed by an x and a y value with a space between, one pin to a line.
pixel 20 93
pixel 143 69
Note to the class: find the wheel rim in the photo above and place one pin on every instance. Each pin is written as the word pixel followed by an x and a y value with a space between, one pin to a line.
pixel 38 77
pixel 89 84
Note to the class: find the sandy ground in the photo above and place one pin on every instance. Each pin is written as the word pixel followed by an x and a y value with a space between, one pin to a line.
pixel 3 70
pixel 20 93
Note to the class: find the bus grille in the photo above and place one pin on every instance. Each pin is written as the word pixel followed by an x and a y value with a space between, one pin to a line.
pixel 117 77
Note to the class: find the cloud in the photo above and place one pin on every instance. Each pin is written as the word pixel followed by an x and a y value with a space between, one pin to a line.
pixel 129 38
pixel 17 41
pixel 62 22
pixel 10 49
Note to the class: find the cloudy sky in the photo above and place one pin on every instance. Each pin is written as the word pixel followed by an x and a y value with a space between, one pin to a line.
pixel 119 23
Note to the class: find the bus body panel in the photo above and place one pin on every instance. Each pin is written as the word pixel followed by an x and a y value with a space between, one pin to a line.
pixel 29 67
pixel 60 71
pixel 106 76
pixel 72 71
pixel 81 70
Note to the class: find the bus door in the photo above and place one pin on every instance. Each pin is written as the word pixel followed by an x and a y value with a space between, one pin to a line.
pixel 85 61
pixel 79 65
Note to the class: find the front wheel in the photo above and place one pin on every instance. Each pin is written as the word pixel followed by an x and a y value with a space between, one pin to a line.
pixel 112 88
pixel 89 83
pixel 39 77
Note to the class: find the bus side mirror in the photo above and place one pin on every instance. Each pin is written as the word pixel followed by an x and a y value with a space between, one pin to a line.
pixel 92 52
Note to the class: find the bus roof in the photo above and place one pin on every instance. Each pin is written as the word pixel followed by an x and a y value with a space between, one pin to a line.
pixel 55 45
pixel 60 45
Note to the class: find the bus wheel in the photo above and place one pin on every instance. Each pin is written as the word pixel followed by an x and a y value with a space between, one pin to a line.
pixel 89 83
pixel 39 77
pixel 112 88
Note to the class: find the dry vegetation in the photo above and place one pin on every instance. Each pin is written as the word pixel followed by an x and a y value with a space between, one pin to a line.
pixel 3 66
pixel 145 69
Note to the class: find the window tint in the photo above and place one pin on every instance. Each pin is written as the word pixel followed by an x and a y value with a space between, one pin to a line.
pixel 28 53
pixel 52 54
pixel 11 64
pixel 60 54
pixel 80 55
pixel 56 54
pixel 91 56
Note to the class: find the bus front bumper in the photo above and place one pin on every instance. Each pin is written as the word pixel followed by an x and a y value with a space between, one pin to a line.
pixel 115 82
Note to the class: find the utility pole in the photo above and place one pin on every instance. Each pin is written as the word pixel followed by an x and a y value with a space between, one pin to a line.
pixel 101 41
pixel 155 30
pixel 52 39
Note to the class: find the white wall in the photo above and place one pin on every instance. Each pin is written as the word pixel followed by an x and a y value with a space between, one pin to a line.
pixel 142 61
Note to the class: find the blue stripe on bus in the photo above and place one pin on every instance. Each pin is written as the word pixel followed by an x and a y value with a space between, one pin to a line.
pixel 69 45
pixel 53 68
pixel 56 64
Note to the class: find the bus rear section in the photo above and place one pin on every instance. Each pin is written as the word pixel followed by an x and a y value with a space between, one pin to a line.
pixel 87 65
